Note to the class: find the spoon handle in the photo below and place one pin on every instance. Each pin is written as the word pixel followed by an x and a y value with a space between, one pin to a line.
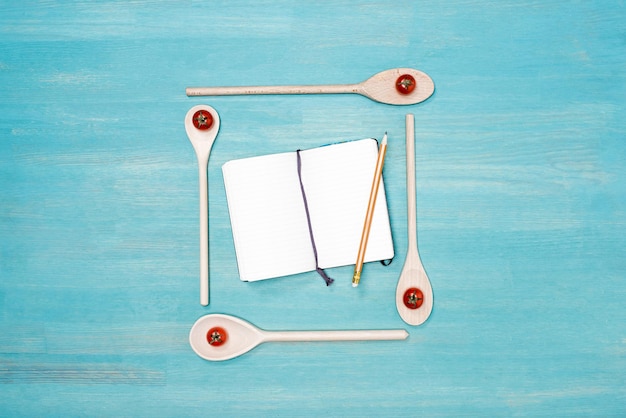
pixel 297 89
pixel 359 335
pixel 204 232
pixel 410 182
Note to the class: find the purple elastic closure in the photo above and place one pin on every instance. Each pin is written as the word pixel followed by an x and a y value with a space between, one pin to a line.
pixel 321 272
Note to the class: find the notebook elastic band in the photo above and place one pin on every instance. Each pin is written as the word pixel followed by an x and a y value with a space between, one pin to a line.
pixel 321 272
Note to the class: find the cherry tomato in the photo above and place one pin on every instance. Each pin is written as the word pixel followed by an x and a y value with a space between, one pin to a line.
pixel 405 84
pixel 202 120
pixel 413 298
pixel 216 336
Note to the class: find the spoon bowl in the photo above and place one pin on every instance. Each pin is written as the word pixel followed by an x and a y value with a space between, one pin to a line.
pixel 202 123
pixel 381 87
pixel 218 337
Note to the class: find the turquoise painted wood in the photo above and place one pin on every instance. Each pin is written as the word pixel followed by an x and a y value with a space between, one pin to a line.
pixel 521 188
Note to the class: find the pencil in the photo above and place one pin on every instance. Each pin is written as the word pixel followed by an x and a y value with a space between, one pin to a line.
pixel 370 212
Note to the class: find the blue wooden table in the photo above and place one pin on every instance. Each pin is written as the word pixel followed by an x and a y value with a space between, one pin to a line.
pixel 521 188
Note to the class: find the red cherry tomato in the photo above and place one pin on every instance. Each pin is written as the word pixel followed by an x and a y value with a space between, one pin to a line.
pixel 413 298
pixel 405 84
pixel 216 336
pixel 202 120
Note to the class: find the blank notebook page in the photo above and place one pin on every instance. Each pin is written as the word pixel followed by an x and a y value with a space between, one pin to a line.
pixel 268 216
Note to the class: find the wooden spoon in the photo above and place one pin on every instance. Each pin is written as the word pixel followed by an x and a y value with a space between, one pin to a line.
pixel 414 295
pixel 218 337
pixel 380 87
pixel 202 124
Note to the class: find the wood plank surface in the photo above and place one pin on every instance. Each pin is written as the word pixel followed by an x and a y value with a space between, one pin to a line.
pixel 521 194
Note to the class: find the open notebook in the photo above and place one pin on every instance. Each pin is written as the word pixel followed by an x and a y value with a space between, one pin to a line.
pixel 268 216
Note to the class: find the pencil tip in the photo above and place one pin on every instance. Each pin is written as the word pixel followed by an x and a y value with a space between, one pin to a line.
pixel 355 284
pixel 384 141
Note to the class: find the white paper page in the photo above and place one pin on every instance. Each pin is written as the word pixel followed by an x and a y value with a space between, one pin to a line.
pixel 267 216
pixel 337 180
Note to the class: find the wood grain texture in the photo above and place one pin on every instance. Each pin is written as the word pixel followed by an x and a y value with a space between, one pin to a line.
pixel 521 207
